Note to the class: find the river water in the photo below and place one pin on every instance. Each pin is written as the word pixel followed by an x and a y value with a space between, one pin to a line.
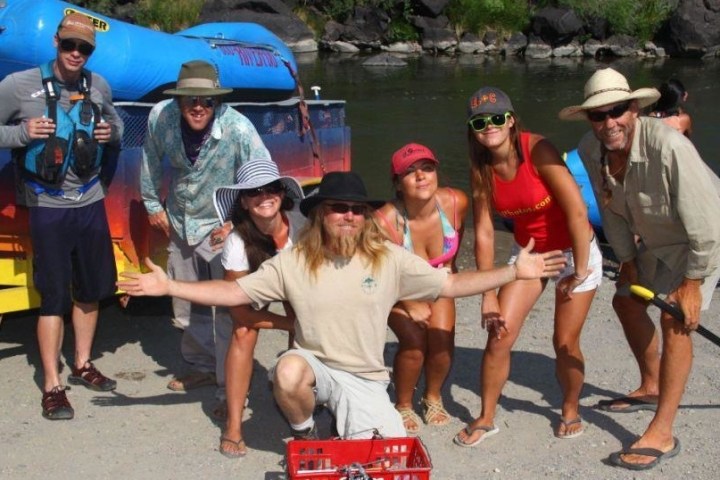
pixel 425 102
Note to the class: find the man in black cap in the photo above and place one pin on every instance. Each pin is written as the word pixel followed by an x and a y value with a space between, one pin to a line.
pixel 342 280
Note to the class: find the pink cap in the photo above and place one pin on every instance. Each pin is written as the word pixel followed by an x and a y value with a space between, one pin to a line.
pixel 409 154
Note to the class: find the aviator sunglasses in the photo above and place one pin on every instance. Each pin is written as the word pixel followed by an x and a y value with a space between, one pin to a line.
pixel 615 112
pixel 343 208
pixel 191 101
pixel 271 189
pixel 68 45
pixel 480 123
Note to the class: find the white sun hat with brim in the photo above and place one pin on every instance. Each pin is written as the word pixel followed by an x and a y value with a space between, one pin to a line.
pixel 251 175
pixel 606 87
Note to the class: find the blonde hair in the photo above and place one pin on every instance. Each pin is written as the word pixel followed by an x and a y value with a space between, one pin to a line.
pixel 311 242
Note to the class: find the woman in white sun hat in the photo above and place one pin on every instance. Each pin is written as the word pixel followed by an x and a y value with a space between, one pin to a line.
pixel 261 206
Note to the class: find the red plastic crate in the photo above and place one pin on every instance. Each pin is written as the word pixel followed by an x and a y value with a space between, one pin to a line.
pixel 382 459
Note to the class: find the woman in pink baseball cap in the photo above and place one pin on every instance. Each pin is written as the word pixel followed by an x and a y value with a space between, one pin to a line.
pixel 428 221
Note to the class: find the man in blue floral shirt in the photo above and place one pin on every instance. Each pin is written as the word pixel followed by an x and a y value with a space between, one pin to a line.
pixel 205 142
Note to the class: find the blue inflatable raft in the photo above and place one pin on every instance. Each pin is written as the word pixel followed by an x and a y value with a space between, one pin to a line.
pixel 139 63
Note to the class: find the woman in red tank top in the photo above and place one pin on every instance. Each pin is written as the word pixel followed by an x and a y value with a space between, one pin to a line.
pixel 521 176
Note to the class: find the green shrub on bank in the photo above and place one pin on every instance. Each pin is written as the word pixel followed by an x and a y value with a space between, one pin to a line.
pixel 477 16
pixel 164 15
pixel 641 19
pixel 169 16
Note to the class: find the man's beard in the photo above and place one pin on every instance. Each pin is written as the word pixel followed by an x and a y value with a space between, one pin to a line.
pixel 343 246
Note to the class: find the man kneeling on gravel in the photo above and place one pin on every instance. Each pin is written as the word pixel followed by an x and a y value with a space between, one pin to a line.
pixel 342 279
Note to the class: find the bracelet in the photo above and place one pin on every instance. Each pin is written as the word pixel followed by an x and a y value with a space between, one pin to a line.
pixel 514 271
pixel 580 279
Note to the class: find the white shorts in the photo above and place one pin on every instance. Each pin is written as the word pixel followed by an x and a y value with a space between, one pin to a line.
pixel 360 406
pixel 595 263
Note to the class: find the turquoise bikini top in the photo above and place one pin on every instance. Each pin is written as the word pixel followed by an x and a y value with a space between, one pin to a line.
pixel 451 238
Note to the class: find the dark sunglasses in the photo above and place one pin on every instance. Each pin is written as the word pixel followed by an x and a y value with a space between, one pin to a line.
pixel 425 168
pixel 615 112
pixel 343 208
pixel 68 45
pixel 482 122
pixel 270 189
pixel 207 102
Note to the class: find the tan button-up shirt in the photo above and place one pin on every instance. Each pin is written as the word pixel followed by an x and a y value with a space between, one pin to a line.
pixel 669 197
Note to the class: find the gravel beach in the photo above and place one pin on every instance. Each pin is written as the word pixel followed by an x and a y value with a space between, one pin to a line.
pixel 144 431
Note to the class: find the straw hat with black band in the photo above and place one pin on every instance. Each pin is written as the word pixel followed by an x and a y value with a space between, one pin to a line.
pixel 606 87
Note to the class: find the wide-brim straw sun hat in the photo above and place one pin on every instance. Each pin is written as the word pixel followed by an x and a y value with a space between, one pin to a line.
pixel 342 187
pixel 198 78
pixel 251 175
pixel 606 87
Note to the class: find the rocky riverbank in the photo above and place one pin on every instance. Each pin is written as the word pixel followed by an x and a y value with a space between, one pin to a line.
pixel 691 30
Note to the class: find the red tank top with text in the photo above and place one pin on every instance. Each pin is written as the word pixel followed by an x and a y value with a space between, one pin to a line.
pixel 527 201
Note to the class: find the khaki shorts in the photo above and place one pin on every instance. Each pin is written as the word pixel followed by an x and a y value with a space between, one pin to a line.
pixel 360 406
pixel 656 276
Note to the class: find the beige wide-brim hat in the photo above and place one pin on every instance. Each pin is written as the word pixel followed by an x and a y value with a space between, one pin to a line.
pixel 198 78
pixel 605 87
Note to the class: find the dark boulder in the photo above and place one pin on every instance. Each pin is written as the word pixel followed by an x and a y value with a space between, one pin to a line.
pixel 556 26
pixel 623 45
pixel 432 8
pixel 693 30
pixel 597 27
pixel 366 27
pixel 274 15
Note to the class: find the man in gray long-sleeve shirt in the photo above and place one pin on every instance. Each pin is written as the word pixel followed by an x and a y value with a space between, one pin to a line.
pixel 73 260
pixel 659 204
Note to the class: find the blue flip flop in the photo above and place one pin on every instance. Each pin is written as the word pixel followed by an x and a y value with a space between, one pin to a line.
pixel 617 460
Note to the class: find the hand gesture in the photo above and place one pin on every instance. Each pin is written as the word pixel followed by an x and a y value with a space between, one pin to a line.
pixel 538 265
pixel 155 283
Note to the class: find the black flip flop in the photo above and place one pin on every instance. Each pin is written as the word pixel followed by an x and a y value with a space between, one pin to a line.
pixel 617 460
pixel 633 405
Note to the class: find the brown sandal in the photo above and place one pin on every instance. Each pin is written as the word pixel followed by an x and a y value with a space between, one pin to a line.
pixel 55 405
pixel 434 413
pixel 90 377
pixel 239 451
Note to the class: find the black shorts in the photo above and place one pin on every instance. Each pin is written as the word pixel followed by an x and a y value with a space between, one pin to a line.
pixel 72 256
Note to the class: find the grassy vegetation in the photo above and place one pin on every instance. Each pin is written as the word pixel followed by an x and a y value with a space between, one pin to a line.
pixel 641 19
pixel 477 16
pixel 165 15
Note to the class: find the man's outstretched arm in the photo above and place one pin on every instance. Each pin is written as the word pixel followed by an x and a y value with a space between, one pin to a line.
pixel 528 266
pixel 224 293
